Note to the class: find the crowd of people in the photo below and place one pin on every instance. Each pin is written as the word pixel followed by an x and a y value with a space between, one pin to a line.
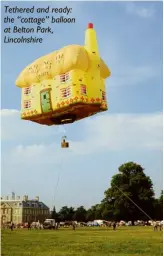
pixel 157 225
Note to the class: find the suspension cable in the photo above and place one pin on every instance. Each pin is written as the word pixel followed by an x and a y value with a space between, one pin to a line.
pixel 134 203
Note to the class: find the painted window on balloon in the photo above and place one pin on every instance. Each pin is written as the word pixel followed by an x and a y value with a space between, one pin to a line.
pixel 104 96
pixel 64 78
pixel 27 90
pixel 66 92
pixel 83 89
pixel 27 104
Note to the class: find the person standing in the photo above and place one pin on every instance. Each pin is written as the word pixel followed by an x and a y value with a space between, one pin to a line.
pixel 12 226
pixel 73 225
pixel 29 226
pixel 155 226
pixel 114 225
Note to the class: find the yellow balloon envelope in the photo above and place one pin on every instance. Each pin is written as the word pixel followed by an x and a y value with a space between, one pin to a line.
pixel 66 85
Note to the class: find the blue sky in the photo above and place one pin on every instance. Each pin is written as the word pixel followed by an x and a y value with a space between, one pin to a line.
pixel 130 42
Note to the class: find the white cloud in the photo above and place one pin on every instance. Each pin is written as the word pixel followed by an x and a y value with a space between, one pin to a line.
pixel 16 129
pixel 109 132
pixel 35 154
pixel 34 160
pixel 141 11
pixel 121 132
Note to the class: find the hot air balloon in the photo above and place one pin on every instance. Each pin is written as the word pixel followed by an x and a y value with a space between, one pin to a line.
pixel 66 85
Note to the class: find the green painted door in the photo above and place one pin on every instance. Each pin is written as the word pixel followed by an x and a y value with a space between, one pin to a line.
pixel 45 101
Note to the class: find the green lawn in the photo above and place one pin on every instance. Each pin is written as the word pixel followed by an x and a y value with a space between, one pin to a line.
pixel 125 241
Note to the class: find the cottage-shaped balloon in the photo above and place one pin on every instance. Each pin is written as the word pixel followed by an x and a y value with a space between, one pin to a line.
pixel 66 85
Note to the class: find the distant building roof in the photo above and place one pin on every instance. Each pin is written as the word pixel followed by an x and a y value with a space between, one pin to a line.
pixel 25 202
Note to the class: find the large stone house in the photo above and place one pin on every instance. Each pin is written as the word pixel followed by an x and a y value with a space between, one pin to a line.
pixel 20 210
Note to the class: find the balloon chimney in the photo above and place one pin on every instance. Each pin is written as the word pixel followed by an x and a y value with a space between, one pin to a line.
pixel 90 25
pixel 91 44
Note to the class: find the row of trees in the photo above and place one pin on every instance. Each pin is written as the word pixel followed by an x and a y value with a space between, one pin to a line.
pixel 130 197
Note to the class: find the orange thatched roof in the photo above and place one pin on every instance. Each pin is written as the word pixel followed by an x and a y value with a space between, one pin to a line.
pixel 58 62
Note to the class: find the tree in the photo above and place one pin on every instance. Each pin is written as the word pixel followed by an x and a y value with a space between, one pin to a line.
pixel 54 214
pixel 71 213
pixel 131 182
pixel 90 215
pixel 107 209
pixel 161 206
pixel 158 206
pixel 80 214
pixel 66 213
pixel 161 199
pixel 97 211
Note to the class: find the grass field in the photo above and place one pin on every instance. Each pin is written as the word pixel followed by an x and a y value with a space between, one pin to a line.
pixel 125 241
